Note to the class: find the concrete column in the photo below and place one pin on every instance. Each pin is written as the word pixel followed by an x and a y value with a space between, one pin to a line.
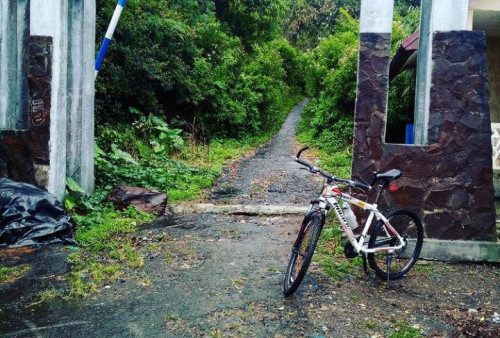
pixel 376 16
pixel 51 19
pixel 88 90
pixel 14 20
pixel 436 16
pixel 80 143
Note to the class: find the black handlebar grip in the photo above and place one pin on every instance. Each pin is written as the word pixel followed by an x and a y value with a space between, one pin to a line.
pixel 301 150
pixel 362 185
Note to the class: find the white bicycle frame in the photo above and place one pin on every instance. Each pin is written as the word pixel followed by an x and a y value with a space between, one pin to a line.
pixel 331 196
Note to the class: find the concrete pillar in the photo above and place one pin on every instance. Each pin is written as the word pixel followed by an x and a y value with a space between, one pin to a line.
pixel 52 20
pixel 376 16
pixel 436 16
pixel 80 149
pixel 14 18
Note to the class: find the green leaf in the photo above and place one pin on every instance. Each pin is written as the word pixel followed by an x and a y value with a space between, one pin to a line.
pixel 73 186
pixel 220 84
pixel 70 202
pixel 119 154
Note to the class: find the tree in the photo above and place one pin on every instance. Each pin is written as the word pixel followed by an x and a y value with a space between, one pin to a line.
pixel 253 21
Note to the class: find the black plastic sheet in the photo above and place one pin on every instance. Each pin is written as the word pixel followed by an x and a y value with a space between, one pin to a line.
pixel 31 216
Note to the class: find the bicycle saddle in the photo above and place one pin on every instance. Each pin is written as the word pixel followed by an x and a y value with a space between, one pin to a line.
pixel 389 175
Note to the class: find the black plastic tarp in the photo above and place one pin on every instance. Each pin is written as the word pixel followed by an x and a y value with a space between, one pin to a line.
pixel 31 216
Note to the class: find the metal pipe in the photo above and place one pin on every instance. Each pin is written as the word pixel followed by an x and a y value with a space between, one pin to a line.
pixel 109 35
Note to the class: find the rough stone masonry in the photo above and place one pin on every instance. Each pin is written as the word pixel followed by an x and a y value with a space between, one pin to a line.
pixel 449 180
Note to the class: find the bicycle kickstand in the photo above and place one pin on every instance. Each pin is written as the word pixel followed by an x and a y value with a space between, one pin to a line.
pixel 388 264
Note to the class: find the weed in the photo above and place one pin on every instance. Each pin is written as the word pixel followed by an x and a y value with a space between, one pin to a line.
pixel 403 330
pixel 239 283
pixel 426 269
pixel 215 333
pixel 231 232
pixel 50 294
pixel 171 318
pixel 275 269
pixel 10 274
pixel 371 324
pixel 106 246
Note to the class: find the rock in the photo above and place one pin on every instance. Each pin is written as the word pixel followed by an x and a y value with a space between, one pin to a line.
pixel 147 200
pixel 472 311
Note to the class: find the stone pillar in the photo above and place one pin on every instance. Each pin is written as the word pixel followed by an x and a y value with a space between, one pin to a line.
pixel 373 60
pixel 448 182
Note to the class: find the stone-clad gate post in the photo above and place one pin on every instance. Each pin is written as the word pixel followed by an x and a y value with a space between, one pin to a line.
pixel 448 179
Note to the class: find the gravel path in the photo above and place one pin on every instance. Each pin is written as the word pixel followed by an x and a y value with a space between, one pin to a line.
pixel 270 176
pixel 220 276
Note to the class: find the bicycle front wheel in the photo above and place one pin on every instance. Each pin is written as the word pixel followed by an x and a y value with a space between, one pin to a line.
pixel 409 227
pixel 302 251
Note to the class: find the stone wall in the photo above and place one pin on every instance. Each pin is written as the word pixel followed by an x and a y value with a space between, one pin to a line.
pixel 449 181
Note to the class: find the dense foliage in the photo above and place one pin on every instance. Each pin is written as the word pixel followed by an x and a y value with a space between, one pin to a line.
pixel 215 69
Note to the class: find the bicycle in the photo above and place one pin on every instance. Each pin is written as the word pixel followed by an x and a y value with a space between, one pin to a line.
pixel 395 240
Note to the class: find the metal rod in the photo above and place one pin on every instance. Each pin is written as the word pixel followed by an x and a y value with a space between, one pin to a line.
pixel 109 35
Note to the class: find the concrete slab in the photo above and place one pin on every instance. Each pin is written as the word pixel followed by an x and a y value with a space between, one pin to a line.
pixel 461 251
pixel 234 209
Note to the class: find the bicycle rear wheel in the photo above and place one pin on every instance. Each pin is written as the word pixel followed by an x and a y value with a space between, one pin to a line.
pixel 302 251
pixel 409 226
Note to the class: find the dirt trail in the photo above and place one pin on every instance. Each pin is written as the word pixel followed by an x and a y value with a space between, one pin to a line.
pixel 219 276
pixel 270 176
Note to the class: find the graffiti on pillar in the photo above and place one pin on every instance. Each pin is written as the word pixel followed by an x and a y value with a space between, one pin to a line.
pixel 38 115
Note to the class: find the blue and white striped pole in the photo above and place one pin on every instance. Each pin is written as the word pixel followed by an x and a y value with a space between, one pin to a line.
pixel 109 35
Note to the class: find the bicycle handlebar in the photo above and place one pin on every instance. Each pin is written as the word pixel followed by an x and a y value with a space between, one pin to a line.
pixel 328 176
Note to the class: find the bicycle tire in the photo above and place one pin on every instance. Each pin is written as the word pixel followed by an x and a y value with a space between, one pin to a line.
pixel 304 247
pixel 409 226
